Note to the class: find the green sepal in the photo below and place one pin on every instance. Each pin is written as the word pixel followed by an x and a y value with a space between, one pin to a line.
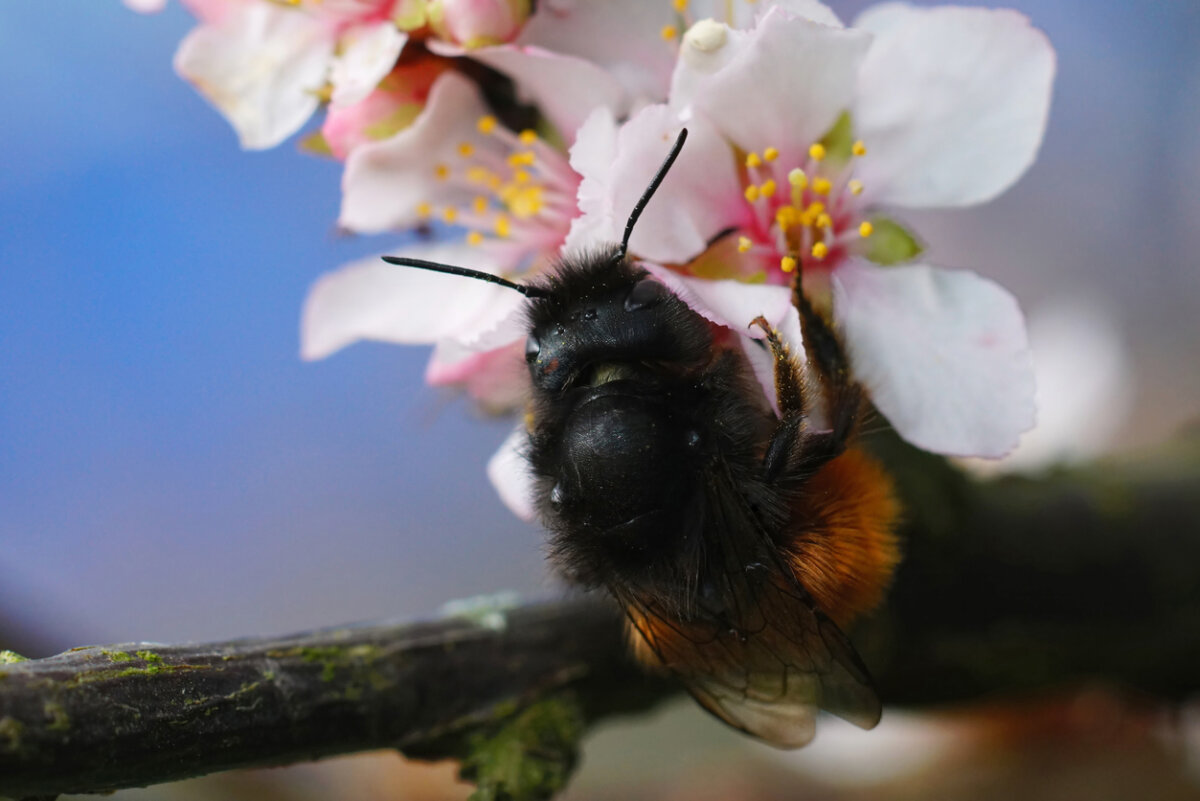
pixel 891 243
pixel 839 141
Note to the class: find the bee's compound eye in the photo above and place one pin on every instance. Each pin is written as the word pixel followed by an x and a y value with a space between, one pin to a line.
pixel 532 348
pixel 646 293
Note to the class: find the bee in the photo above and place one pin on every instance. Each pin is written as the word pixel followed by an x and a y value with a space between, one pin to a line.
pixel 739 541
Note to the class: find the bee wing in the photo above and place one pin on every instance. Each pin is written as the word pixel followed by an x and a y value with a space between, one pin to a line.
pixel 768 658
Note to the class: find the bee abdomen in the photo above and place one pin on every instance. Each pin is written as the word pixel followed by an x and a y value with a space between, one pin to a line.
pixel 842 543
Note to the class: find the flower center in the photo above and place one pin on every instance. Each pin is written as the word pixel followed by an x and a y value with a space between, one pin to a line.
pixel 806 213
pixel 518 187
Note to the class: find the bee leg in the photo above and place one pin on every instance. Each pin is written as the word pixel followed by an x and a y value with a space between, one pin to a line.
pixel 790 396
pixel 843 396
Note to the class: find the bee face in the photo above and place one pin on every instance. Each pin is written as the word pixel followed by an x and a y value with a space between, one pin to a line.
pixel 600 319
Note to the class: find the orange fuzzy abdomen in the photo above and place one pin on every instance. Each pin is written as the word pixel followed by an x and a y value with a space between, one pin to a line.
pixel 842 544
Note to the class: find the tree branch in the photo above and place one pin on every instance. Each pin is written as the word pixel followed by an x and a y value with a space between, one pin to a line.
pixel 1009 585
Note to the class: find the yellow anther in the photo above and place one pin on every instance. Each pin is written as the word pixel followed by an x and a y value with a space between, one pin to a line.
pixel 669 33
pixel 787 216
pixel 486 124
pixel 817 152
pixel 797 178
pixel 752 160
pixel 424 209
pixel 465 149
pixel 524 200
pixel 771 153
pixel 521 158
pixel 474 238
pixel 856 187
pixel 751 193
pixel 824 221
pixel 820 251
pixel 822 186
pixel 479 204
pixel 528 137
pixel 478 175
pixel 788 264
pixel 815 208
pixel 679 5
pixel 442 172
pixel 768 187
pixel 744 244
pixel 450 214
pixel 865 229
pixel 521 177
pixel 859 149
pixel 503 227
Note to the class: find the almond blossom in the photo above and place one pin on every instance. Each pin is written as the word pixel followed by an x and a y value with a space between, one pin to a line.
pixel 947 107
pixel 514 194
pixel 268 66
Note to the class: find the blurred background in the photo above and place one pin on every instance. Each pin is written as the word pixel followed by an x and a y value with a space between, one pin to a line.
pixel 170 470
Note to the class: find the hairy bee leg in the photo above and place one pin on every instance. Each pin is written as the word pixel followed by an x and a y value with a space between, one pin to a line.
pixel 789 376
pixel 790 396
pixel 843 396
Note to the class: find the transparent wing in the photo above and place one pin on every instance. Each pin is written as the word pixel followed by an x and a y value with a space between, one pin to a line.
pixel 755 651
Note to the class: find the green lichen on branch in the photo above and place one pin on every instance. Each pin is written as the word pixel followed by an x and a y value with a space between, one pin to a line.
pixel 529 756
pixel 11 658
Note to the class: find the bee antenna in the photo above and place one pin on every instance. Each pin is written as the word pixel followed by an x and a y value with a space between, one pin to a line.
pixel 651 189
pixel 438 267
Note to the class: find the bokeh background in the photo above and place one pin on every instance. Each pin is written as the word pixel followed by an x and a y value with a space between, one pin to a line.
pixel 170 470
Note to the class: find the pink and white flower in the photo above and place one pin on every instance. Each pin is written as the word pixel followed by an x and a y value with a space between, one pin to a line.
pixel 268 66
pixel 513 193
pixel 948 106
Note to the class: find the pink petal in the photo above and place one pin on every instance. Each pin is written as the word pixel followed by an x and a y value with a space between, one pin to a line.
pixel 732 304
pixel 700 197
pixel 592 157
pixel 943 353
pixel 498 379
pixel 782 85
pixel 368 53
pixel 262 66
pixel 620 36
pixel 510 474
pixel 371 299
pixel 385 181
pixel 952 103
pixel 565 87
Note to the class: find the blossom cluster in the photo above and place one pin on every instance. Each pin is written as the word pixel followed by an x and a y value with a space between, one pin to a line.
pixel 805 137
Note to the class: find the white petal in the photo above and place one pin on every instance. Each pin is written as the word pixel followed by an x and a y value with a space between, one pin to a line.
pixel 1084 389
pixel 497 379
pixel 592 157
pixel 510 474
pixel 943 353
pixel 733 304
pixel 371 299
pixel 262 66
pixel 952 103
pixel 744 15
pixel 565 87
pixel 368 54
pixel 621 36
pixel 700 197
pixel 783 85
pixel 385 181
pixel 146 6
